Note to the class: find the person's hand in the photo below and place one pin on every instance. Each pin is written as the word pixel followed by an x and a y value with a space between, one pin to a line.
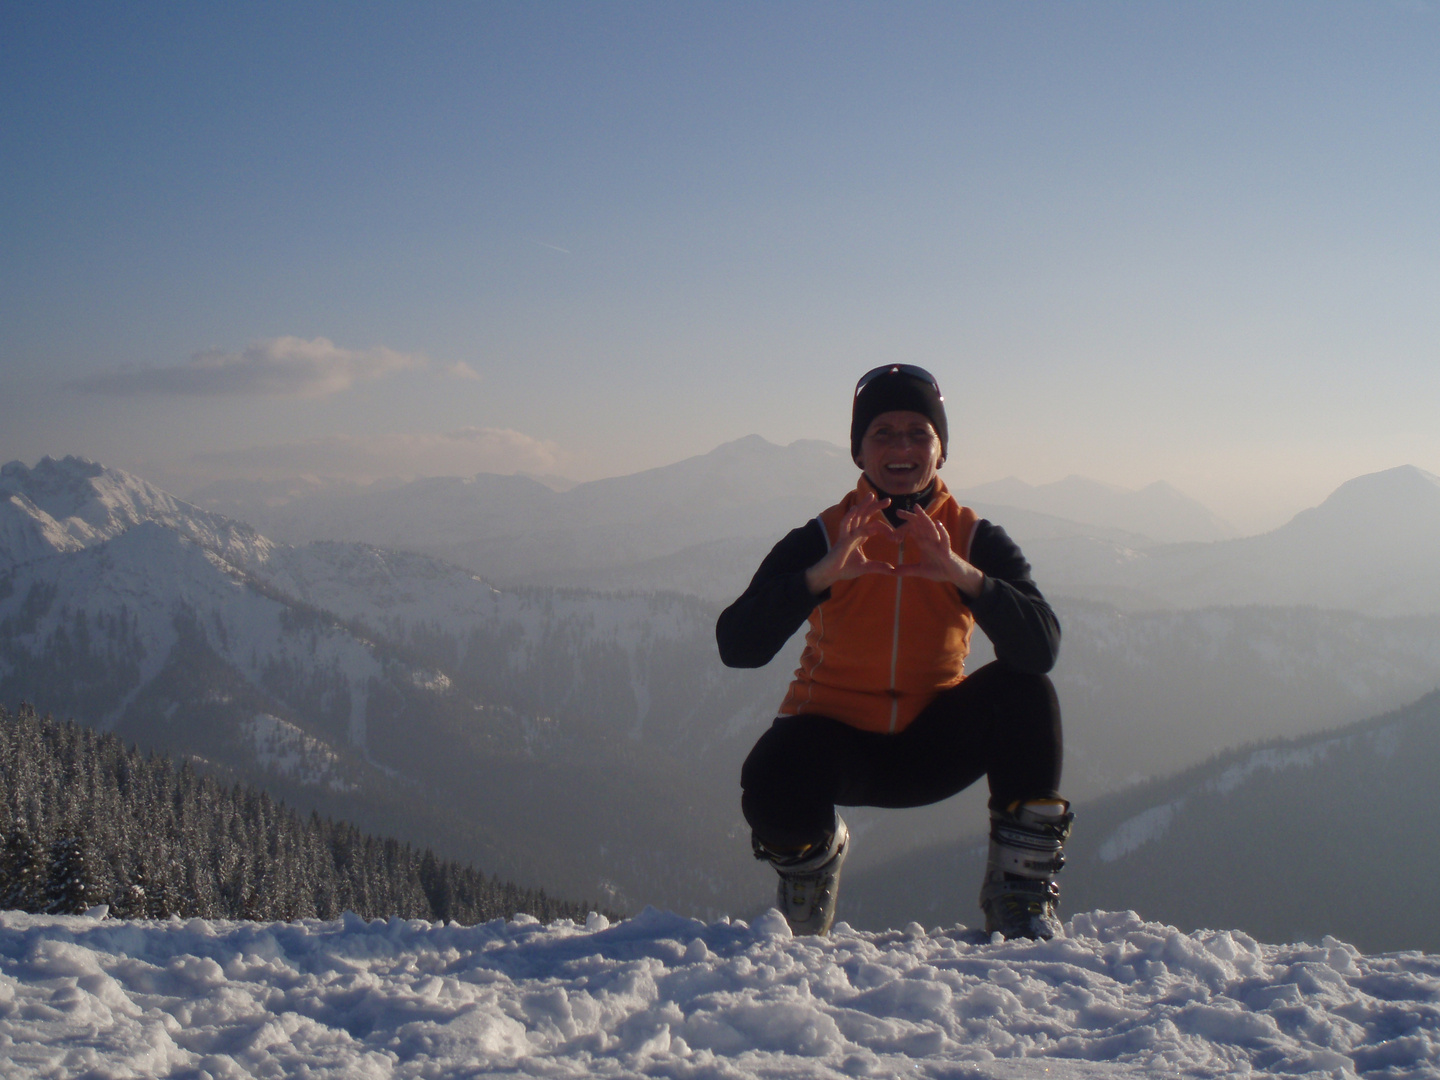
pixel 846 558
pixel 930 540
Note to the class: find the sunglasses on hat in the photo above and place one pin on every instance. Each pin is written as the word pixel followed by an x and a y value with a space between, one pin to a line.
pixel 898 369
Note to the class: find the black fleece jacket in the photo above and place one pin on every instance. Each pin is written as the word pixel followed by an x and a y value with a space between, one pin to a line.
pixel 1010 609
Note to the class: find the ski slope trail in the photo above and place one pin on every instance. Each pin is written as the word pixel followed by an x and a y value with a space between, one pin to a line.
pixel 660 995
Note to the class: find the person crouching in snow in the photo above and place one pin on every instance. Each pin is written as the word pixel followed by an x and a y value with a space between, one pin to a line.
pixel 893 580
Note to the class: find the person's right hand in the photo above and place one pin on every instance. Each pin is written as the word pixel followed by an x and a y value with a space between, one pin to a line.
pixel 846 558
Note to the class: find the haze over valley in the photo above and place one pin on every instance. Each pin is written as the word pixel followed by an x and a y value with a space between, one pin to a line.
pixel 588 740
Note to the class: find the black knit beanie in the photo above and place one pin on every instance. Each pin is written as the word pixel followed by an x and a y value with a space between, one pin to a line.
pixel 897 387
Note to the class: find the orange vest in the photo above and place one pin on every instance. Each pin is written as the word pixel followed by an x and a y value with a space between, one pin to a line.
pixel 883 646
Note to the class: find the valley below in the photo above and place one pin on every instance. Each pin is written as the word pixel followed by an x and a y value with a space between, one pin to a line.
pixel 587 739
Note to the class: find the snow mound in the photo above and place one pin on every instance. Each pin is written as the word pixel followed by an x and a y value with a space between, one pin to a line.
pixel 660 995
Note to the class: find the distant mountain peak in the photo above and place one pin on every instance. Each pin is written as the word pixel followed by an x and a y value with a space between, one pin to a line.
pixel 1159 510
pixel 1394 497
pixel 748 442
pixel 1085 483
pixel 70 466
pixel 1402 479
pixel 1164 487
pixel 751 444
pixel 557 484
pixel 59 504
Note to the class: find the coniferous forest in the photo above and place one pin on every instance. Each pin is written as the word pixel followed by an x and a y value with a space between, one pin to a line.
pixel 86 820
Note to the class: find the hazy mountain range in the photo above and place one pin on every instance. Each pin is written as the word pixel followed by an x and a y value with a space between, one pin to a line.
pixel 514 530
pixel 580 741
pixel 702 525
pixel 1158 511
pixel 524 748
pixel 1292 840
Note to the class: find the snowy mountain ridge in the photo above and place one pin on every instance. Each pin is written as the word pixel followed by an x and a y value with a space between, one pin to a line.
pixel 83 505
pixel 1273 838
pixel 363 681
pixel 1149 826
pixel 152 589
pixel 74 503
pixel 1146 694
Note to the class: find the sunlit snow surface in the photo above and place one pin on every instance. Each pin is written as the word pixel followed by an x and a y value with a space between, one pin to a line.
pixel 659 995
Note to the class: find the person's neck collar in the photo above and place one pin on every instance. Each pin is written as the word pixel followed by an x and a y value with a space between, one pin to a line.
pixel 921 499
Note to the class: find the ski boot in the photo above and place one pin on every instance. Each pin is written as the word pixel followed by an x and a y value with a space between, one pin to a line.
pixel 809 880
pixel 1020 896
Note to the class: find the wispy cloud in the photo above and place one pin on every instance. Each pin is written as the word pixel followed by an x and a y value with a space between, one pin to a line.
pixel 364 458
pixel 460 370
pixel 278 367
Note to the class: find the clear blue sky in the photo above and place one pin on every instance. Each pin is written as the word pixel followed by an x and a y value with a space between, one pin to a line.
pixel 1197 242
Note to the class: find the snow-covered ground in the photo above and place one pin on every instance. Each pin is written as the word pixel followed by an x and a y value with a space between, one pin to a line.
pixel 660 995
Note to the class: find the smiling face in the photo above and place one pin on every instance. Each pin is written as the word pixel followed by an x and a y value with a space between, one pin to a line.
pixel 900 452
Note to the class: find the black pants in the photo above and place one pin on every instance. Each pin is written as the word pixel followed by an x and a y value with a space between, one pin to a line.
pixel 997 723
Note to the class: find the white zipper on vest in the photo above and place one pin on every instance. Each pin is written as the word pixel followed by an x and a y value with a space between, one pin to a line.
pixel 895 644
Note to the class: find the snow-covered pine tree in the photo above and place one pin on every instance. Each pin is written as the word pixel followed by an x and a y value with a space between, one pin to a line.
pixel 71 888
pixel 23 872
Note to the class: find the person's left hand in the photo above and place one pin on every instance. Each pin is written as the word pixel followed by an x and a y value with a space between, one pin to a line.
pixel 937 561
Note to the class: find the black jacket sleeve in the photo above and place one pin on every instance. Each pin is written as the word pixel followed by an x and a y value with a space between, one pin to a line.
pixel 1010 609
pixel 752 629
